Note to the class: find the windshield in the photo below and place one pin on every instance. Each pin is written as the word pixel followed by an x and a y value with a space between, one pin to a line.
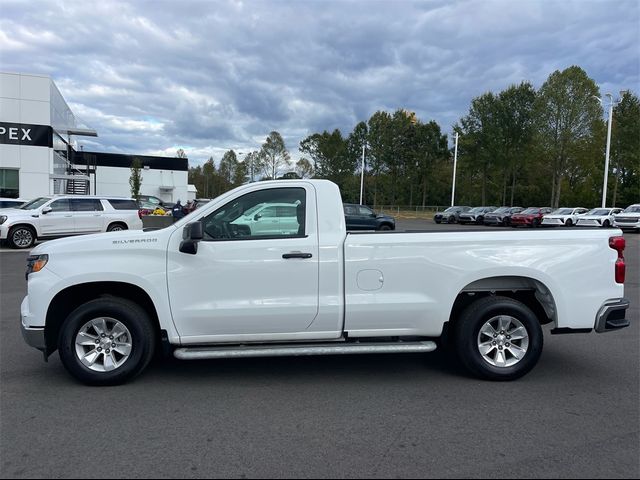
pixel 599 212
pixel 633 209
pixel 451 210
pixel 531 211
pixel 476 210
pixel 33 204
pixel 563 211
pixel 502 210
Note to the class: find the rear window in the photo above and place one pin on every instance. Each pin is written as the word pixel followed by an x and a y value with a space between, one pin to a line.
pixel 86 205
pixel 123 204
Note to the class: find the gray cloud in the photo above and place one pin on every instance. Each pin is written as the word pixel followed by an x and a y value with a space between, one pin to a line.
pixel 154 76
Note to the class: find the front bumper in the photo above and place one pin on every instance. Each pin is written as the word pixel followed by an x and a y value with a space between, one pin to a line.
pixel 611 315
pixel 627 225
pixel 34 336
pixel 556 222
pixel 4 232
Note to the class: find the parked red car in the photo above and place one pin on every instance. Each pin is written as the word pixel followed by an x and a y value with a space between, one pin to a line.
pixel 531 217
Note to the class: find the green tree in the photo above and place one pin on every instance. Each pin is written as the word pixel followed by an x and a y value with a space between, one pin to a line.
pixel 567 119
pixel 135 179
pixel 228 167
pixel 516 126
pixel 625 151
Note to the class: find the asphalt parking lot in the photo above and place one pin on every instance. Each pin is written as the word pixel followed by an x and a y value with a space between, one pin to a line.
pixel 577 414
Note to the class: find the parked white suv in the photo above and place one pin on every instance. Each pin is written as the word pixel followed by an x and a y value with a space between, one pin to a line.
pixel 62 215
pixel 629 219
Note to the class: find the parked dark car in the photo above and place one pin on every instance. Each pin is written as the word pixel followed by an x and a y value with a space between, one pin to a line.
pixel 475 215
pixel 501 216
pixel 361 217
pixel 531 217
pixel 11 202
pixel 450 215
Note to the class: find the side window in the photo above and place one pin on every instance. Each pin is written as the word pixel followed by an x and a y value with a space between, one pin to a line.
pixel 86 205
pixel 244 218
pixel 61 205
pixel 286 211
pixel 367 212
pixel 268 212
pixel 349 210
pixel 118 204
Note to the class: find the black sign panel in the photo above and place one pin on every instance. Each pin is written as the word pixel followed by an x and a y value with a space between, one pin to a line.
pixel 26 134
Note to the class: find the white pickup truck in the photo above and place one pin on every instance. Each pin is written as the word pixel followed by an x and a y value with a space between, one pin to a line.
pixel 207 287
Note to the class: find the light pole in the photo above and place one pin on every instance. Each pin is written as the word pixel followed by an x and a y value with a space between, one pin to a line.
pixel 455 163
pixel 606 161
pixel 362 175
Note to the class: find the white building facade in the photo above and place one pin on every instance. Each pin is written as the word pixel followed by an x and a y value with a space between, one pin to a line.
pixel 38 133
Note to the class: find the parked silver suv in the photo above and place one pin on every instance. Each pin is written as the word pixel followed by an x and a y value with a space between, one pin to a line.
pixel 63 215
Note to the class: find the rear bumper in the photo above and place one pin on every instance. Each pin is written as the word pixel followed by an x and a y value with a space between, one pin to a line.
pixel 611 315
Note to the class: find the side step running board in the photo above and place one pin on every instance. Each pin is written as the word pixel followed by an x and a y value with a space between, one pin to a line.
pixel 202 353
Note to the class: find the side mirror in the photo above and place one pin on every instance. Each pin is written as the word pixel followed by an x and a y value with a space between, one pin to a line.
pixel 192 233
pixel 46 210
pixel 257 217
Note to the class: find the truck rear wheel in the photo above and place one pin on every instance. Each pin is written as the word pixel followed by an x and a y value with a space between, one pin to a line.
pixel 106 341
pixel 498 338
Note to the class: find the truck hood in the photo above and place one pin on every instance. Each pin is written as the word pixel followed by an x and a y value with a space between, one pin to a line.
pixel 124 239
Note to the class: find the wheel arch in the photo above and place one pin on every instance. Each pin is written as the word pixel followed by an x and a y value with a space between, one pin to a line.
pixel 67 300
pixel 122 223
pixel 530 291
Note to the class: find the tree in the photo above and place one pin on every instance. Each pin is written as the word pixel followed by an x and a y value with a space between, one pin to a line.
pixel 273 155
pixel 568 117
pixel 304 169
pixel 252 165
pixel 516 122
pixel 228 167
pixel 625 151
pixel 135 180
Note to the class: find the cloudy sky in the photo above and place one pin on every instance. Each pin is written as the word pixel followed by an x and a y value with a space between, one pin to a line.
pixel 208 76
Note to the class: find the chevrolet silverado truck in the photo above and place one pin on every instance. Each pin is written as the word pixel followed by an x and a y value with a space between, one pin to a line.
pixel 207 288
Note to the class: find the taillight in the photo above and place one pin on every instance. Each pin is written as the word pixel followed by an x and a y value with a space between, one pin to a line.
pixel 618 244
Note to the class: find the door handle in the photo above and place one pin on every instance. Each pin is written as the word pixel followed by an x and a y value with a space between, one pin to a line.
pixel 296 255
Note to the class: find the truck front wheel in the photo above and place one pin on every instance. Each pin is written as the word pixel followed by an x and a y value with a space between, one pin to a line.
pixel 106 341
pixel 498 338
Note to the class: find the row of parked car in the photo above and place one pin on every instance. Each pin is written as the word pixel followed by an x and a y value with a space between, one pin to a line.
pixel 628 218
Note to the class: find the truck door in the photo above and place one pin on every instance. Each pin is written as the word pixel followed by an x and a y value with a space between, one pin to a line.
pixel 242 282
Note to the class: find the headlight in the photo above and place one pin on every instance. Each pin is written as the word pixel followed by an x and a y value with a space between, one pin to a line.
pixel 35 263
pixel 3 218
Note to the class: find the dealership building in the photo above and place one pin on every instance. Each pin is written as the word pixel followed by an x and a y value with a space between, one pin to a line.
pixel 39 156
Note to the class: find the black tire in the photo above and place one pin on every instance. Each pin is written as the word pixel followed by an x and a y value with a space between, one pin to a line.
pixel 385 227
pixel 535 223
pixel 480 220
pixel 437 220
pixel 606 224
pixel 116 227
pixel 452 219
pixel 467 337
pixel 128 313
pixel 506 222
pixel 21 236
pixel 568 223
